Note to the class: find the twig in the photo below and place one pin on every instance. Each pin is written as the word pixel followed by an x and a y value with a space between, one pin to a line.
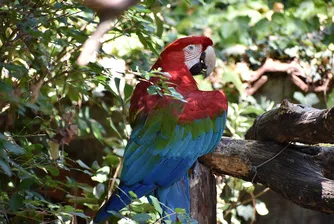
pixel 254 207
pixel 29 136
pixel 163 217
pixel 257 85
pixel 246 201
pixel 114 179
pixel 299 82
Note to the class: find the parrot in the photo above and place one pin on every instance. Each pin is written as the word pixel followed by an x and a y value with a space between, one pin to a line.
pixel 169 134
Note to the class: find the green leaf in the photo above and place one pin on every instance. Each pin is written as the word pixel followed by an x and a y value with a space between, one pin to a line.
pixel 248 187
pixel 111 160
pixel 52 169
pixel 2 137
pixel 253 110
pixel 261 208
pixel 299 97
pixel 13 148
pixel 228 28
pixel 132 194
pixel 68 208
pixel 141 218
pixel 58 5
pixel 156 204
pixel 175 94
pixel 32 106
pixel 99 190
pixel 83 165
pixel 97 129
pixel 128 89
pixel 149 3
pixel 6 168
pixel 16 201
pixel 230 76
pixel 180 211
pixel 146 43
pixel 80 214
pixel 102 174
pixel 262 28
pixel 330 100
pixel 308 100
pixel 26 183
pixel 159 25
pixel 153 90
pixel 311 99
pixel 112 125
pixel 16 70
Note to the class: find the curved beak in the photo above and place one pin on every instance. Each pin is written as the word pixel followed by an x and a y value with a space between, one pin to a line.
pixel 209 60
pixel 206 64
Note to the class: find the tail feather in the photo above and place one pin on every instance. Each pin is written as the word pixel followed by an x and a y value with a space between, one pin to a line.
pixel 175 196
pixel 120 199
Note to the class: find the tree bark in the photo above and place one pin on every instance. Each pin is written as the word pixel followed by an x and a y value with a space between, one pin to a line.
pixel 203 195
pixel 294 123
pixel 302 174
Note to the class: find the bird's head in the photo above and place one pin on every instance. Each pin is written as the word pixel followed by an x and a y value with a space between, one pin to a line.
pixel 194 54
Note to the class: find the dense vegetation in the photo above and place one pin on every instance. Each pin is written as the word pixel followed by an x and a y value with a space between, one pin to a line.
pixel 63 127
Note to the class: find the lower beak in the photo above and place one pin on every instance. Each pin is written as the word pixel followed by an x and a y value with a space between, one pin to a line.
pixel 209 60
pixel 206 63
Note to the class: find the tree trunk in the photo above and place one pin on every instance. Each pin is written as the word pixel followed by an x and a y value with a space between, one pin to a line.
pixel 203 195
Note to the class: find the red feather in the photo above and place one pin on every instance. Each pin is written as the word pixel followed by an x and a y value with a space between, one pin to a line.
pixel 200 104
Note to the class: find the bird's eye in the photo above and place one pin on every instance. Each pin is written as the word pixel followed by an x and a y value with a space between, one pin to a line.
pixel 191 47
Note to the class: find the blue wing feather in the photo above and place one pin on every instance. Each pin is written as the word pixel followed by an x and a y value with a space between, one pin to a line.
pixel 147 167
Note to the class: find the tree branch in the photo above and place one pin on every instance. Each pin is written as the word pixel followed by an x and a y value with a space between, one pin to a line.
pixel 107 11
pixel 294 123
pixel 271 65
pixel 296 75
pixel 302 174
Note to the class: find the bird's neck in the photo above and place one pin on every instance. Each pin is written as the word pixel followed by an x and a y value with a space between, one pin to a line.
pixel 183 80
pixel 180 75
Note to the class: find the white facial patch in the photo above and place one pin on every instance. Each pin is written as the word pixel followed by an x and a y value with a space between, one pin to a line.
pixel 192 53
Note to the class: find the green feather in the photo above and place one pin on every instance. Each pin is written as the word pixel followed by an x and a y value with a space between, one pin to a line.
pixel 160 142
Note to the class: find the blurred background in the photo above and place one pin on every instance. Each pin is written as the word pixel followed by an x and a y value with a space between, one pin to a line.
pixel 63 127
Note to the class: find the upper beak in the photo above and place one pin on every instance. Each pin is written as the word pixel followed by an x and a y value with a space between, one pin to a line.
pixel 209 60
pixel 206 63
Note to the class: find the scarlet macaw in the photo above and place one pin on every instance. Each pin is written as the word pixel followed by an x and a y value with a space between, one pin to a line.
pixel 168 134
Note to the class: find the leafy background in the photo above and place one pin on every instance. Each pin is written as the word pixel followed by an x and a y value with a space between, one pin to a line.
pixel 64 127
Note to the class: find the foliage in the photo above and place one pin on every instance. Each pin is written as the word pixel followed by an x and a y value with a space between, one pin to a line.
pixel 48 102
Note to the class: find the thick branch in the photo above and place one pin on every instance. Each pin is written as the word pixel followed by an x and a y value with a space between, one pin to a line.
pixel 294 123
pixel 107 11
pixel 295 72
pixel 276 66
pixel 301 174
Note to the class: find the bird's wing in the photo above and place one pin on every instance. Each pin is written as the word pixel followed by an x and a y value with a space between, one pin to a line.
pixel 161 149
